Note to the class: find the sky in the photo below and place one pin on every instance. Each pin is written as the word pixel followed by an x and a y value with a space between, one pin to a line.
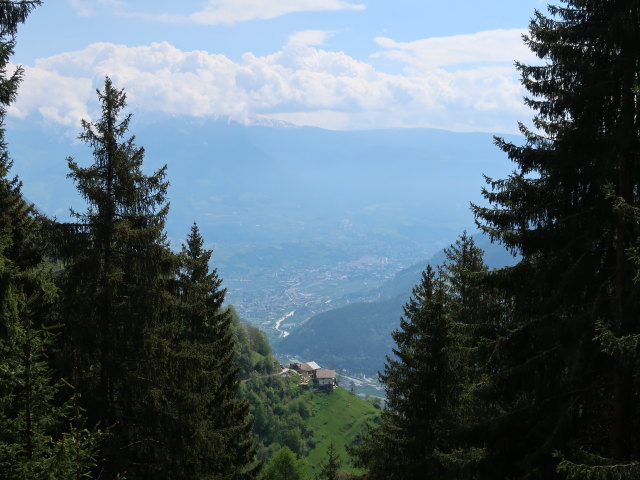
pixel 334 64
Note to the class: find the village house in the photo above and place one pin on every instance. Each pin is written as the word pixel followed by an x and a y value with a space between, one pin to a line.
pixel 325 379
pixel 309 368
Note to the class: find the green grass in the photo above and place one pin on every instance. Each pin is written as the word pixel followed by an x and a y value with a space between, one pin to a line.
pixel 338 416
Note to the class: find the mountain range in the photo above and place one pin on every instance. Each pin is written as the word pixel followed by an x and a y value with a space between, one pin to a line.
pixel 298 217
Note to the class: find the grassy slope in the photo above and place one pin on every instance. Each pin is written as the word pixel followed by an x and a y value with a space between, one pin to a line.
pixel 340 417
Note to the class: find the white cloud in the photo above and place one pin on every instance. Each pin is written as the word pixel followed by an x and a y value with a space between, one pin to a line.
pixel 82 7
pixel 494 46
pixel 233 11
pixel 87 8
pixel 55 97
pixel 300 83
pixel 230 12
pixel 310 37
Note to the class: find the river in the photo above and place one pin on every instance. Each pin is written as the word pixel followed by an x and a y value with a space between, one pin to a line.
pixel 283 333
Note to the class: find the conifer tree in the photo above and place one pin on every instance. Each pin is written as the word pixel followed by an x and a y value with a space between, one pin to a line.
pixel 16 215
pixel 435 387
pixel 476 311
pixel 210 432
pixel 566 380
pixel 39 438
pixel 117 288
pixel 331 467
pixel 463 269
pixel 418 391
pixel 467 303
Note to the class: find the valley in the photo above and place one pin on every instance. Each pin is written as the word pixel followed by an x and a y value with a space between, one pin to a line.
pixel 352 333
pixel 300 219
pixel 282 300
pixel 317 235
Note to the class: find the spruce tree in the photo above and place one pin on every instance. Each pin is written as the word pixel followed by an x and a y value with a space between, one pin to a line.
pixel 17 217
pixel 210 432
pixel 476 311
pixel 330 468
pixel 463 270
pixel 418 384
pixel 436 387
pixel 566 380
pixel 40 436
pixel 117 288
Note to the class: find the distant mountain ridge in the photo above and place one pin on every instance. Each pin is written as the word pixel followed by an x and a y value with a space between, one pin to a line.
pixel 226 174
pixel 297 202
pixel 357 337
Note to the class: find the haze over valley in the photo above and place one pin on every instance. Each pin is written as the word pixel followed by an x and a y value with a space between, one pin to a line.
pixel 301 219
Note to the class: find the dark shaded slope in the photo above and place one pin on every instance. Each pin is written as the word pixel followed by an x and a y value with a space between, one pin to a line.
pixel 355 337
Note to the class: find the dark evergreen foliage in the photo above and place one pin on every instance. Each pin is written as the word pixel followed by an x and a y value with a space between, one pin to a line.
pixel 205 422
pixel 528 372
pixel 117 288
pixel 540 377
pixel 12 14
pixel 476 313
pixel 331 467
pixel 417 385
pixel 39 437
pixel 17 217
pixel 560 381
pixel 42 432
pixel 435 384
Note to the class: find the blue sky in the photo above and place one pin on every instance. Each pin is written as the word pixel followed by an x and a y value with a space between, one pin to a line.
pixel 338 64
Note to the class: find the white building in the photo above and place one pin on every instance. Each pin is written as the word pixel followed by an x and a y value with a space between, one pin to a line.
pixel 325 379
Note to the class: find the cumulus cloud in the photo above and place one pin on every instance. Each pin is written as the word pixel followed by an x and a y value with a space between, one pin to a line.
pixel 300 83
pixel 57 98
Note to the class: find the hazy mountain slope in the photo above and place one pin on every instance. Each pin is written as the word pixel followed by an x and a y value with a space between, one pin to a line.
pixel 293 182
pixel 358 336
pixel 289 206
pixel 355 337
